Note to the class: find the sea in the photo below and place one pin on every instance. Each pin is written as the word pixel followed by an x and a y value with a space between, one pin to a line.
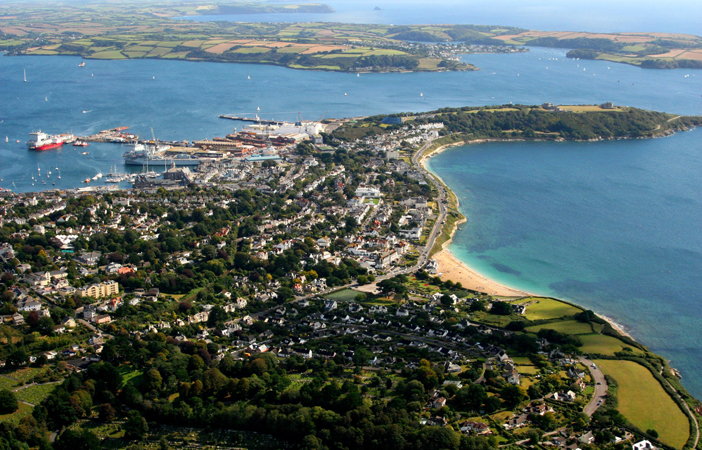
pixel 613 226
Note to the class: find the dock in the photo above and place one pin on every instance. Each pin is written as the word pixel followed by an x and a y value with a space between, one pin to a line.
pixel 251 119
pixel 116 135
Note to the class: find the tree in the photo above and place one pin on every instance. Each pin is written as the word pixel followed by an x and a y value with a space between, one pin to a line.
pixel 492 404
pixel 653 433
pixel 8 402
pixel 501 308
pixel 152 379
pixel 285 294
pixel 107 413
pixel 135 427
pixel 446 300
pixel 78 440
pixel 17 358
pixel 512 395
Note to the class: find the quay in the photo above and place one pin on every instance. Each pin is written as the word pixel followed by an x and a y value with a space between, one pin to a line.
pixel 252 119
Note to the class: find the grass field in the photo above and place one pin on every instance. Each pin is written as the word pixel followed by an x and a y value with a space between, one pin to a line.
pixel 26 374
pixel 527 370
pixel 344 295
pixel 567 326
pixel 35 394
pixel 599 343
pixel 546 308
pixel 644 402
pixel 587 108
pixel 23 411
pixel 129 375
pixel 6 383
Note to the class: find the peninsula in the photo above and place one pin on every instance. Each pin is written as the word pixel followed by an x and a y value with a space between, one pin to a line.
pixel 293 298
pixel 157 30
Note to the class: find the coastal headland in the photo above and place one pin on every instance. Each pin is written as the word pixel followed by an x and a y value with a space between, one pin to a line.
pixel 451 268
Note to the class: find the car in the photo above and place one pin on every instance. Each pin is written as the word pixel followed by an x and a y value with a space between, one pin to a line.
pixel 598 383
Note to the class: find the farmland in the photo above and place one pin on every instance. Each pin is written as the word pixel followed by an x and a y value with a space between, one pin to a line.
pixel 643 401
pixel 150 31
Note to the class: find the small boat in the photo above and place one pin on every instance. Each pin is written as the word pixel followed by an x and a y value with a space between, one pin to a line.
pixel 153 78
pixel 82 64
pixel 46 99
pixel 84 153
pixel 345 94
pixel 358 74
pixel 421 94
pixel 7 139
pixel 98 176
pixel 249 77
pixel 80 144
pixel 25 75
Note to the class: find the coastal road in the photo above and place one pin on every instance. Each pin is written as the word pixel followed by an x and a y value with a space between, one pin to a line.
pixel 438 225
pixel 600 387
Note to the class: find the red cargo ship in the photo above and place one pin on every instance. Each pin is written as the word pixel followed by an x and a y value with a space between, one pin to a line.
pixel 42 141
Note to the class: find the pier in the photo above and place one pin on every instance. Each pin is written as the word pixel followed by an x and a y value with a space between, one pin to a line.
pixel 252 119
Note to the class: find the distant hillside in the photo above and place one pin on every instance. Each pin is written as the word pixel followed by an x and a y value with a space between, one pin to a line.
pixel 257 8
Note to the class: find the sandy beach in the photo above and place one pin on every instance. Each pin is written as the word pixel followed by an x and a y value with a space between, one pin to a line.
pixel 453 269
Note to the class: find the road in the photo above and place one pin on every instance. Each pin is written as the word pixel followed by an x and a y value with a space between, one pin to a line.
pixel 441 201
pixel 600 387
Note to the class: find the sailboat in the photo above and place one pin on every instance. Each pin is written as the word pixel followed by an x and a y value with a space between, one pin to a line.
pixel 345 94
pixel 82 64
pixel 7 139
pixel 421 94
pixel 46 99
pixel 249 77
pixel 25 75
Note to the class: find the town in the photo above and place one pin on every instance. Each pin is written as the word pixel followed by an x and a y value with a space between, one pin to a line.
pixel 294 295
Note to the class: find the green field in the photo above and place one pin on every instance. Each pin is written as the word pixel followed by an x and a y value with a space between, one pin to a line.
pixel 110 54
pixel 6 383
pixel 644 402
pixel 528 370
pixel 546 308
pixel 129 375
pixel 567 326
pixel 599 343
pixel 23 411
pixel 26 374
pixel 344 295
pixel 35 394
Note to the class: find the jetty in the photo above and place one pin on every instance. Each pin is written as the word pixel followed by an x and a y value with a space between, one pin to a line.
pixel 251 119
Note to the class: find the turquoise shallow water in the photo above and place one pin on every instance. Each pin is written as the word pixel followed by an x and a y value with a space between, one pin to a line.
pixel 613 226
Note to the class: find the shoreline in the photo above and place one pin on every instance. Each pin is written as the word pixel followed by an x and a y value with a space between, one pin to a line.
pixel 452 268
